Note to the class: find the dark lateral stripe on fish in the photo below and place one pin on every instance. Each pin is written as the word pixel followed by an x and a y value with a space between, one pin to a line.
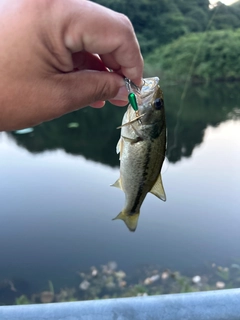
pixel 157 130
pixel 145 168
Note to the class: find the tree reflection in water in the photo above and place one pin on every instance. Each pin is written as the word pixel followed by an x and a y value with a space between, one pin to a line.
pixel 96 136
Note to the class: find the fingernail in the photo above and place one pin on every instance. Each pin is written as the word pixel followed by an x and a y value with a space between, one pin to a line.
pixel 122 94
pixel 138 82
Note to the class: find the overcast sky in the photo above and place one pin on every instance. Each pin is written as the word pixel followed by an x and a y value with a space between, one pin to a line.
pixel 224 1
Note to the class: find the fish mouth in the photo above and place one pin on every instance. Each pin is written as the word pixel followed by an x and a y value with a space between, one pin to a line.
pixel 149 86
pixel 147 91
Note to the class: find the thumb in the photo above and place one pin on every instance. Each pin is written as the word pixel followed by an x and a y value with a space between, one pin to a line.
pixel 82 88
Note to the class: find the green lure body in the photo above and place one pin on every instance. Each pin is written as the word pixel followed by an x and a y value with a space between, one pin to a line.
pixel 133 101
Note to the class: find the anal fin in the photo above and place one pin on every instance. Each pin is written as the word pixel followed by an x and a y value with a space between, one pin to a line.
pixel 158 189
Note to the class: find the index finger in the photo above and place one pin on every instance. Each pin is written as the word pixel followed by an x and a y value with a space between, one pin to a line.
pixel 96 29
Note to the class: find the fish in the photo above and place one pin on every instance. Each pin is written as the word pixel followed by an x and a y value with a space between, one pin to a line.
pixel 142 147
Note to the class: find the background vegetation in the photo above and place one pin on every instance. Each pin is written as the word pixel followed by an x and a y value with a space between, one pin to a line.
pixel 107 281
pixel 174 34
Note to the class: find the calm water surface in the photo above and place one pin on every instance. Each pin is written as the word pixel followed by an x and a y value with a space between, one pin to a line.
pixel 56 206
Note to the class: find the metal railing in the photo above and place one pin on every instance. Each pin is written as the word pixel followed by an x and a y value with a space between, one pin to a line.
pixel 210 305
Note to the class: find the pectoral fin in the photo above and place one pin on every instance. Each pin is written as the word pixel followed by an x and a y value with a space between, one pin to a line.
pixel 120 144
pixel 117 184
pixel 158 189
pixel 119 147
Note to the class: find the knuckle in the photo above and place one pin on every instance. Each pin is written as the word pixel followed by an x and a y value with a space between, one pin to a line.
pixel 127 26
pixel 125 20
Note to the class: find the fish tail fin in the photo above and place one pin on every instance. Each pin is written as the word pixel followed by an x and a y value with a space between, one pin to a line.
pixel 131 220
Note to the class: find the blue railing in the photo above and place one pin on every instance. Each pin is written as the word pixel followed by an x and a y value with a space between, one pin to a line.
pixel 210 305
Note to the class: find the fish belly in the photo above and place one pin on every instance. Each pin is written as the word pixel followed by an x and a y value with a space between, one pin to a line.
pixel 139 169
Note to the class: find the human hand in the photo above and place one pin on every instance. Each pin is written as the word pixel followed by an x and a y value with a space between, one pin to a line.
pixel 55 56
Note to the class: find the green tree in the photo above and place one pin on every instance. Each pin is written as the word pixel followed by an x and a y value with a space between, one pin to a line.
pixel 162 21
pixel 213 55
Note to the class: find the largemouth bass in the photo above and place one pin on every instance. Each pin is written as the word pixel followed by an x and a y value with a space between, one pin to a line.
pixel 142 147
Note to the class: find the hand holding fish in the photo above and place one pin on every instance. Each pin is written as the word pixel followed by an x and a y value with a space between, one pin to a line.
pixel 55 58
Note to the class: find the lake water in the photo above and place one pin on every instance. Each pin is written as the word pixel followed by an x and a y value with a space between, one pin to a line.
pixel 56 205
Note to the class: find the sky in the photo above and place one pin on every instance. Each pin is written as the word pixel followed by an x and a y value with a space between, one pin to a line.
pixel 227 2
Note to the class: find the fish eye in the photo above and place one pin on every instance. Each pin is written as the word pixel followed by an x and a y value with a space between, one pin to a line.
pixel 158 103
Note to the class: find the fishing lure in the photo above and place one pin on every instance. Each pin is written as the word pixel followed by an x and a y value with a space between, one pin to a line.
pixel 131 87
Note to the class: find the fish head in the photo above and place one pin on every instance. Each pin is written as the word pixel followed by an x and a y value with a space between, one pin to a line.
pixel 150 101
pixel 150 109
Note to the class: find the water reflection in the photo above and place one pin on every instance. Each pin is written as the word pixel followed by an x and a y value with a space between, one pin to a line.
pixel 96 136
pixel 203 106
pixel 57 209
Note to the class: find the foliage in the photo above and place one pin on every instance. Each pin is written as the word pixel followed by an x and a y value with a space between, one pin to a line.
pixel 158 22
pixel 167 26
pixel 161 21
pixel 109 282
pixel 51 287
pixel 22 300
pixel 213 55
pixel 225 17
